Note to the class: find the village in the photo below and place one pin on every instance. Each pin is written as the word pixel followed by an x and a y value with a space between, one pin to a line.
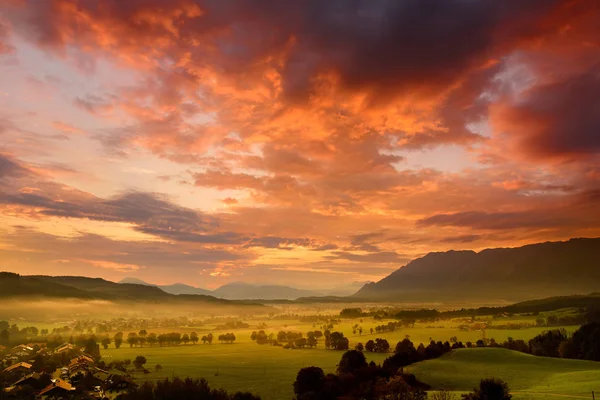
pixel 33 370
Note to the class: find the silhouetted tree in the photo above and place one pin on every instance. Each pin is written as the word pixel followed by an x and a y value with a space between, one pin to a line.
pixel 118 339
pixel 309 380
pixel 139 362
pixel 489 389
pixel 352 361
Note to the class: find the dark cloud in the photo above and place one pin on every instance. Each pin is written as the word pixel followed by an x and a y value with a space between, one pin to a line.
pixel 9 167
pixel 274 242
pixel 558 119
pixel 500 220
pixel 378 257
pixel 461 239
pixel 384 45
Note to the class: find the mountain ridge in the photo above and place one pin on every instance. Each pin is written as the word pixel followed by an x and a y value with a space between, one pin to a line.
pixel 518 273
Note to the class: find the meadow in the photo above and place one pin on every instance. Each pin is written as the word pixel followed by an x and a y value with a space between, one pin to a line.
pixel 269 371
pixel 529 377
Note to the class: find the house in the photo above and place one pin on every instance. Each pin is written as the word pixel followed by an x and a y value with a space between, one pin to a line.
pixel 23 348
pixel 35 380
pixel 57 389
pixel 83 359
pixel 80 365
pixel 18 368
pixel 66 347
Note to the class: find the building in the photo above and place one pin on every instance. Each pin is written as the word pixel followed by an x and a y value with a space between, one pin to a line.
pixel 57 389
pixel 35 380
pixel 21 368
pixel 66 347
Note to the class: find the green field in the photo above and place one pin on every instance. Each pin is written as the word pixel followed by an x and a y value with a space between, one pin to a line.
pixel 270 371
pixel 529 377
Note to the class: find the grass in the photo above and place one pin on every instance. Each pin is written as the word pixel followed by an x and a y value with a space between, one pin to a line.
pixel 262 369
pixel 270 371
pixel 529 377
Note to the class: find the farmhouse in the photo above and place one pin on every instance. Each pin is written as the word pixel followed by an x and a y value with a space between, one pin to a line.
pixel 18 368
pixel 57 389
pixel 35 380
pixel 64 348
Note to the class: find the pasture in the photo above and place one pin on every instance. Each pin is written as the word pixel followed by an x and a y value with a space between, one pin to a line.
pixel 269 370
pixel 529 377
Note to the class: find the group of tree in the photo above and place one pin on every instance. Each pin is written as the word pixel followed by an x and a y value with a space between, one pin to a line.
pixel 352 313
pixel 356 379
pixel 336 341
pixel 584 344
pixel 227 338
pixel 10 333
pixel 176 388
pixel 151 339
pixel 232 325
pixel 376 346
pixel 289 340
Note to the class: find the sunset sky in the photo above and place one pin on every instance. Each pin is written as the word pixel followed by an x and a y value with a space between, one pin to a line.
pixel 305 143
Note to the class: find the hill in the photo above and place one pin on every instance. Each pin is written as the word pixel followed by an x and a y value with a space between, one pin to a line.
pixel 528 272
pixel 238 291
pixel 462 369
pixel 12 285
pixel 79 287
pixel 176 288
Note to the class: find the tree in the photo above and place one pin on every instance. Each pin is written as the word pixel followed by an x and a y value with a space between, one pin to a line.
pixel 152 339
pixel 194 337
pixel 547 343
pixel 584 344
pixel 359 347
pixel 132 339
pixel 158 367
pixel 139 362
pixel 281 336
pixel 209 338
pixel 118 339
pixel 489 389
pixel 92 348
pixel 253 336
pixel 337 341
pixel 352 361
pixel 405 347
pixel 309 380
pixel 105 342
pixel 185 338
pixel 382 345
pixel 4 336
pixel 370 346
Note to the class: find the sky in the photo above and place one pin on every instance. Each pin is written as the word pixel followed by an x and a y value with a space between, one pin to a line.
pixel 305 143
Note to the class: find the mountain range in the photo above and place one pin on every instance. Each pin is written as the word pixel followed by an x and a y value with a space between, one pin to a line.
pixel 532 271
pixel 79 287
pixel 502 274
pixel 248 291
